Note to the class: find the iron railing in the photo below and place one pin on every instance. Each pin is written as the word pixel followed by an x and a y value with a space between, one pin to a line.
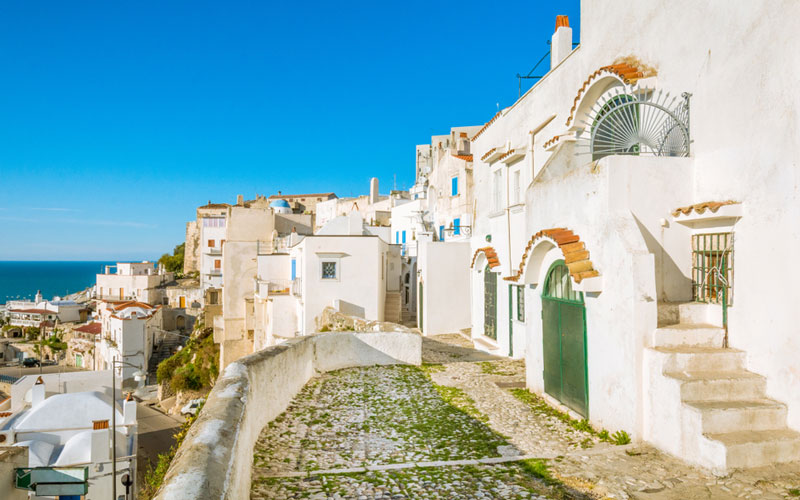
pixel 712 268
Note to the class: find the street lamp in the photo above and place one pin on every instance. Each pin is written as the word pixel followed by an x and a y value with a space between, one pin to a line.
pixel 139 376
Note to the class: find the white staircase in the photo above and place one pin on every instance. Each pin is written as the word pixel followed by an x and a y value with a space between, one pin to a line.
pixel 703 405
pixel 392 308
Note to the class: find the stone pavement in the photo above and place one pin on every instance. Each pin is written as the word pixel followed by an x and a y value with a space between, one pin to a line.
pixel 637 472
pixel 395 432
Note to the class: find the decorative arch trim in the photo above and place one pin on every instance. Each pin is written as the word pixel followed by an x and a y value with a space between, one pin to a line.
pixel 576 257
pixel 491 257
pixel 628 72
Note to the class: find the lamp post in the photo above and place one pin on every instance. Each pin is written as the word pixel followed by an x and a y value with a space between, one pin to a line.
pixel 138 376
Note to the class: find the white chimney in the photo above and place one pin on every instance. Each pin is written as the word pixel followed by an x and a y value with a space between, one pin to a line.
pixel 129 411
pixel 100 443
pixel 561 44
pixel 373 190
pixel 37 393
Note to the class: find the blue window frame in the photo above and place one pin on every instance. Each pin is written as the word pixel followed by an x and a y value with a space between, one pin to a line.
pixel 454 186
pixel 441 233
pixel 294 269
pixel 397 237
pixel 404 236
pixel 456 227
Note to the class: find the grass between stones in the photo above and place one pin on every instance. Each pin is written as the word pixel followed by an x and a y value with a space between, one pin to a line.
pixel 492 369
pixel 513 480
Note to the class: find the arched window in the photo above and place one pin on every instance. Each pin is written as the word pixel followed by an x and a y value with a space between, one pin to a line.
pixel 615 127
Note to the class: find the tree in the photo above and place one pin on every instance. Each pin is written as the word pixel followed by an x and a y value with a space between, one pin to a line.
pixel 174 263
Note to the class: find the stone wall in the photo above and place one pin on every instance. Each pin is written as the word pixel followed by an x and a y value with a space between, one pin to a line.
pixel 215 459
pixel 191 252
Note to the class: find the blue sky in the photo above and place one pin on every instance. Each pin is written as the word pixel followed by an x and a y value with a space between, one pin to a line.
pixel 118 119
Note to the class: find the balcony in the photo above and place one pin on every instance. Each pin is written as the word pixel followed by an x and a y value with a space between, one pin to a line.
pixel 266 288
pixel 213 251
pixel 458 232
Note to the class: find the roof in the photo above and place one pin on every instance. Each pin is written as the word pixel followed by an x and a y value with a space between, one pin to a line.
pixel 131 303
pixel 215 205
pixel 702 207
pixel 491 256
pixel 576 257
pixel 32 311
pixel 309 195
pixel 58 411
pixel 280 203
pixel 92 328
pixel 479 132
pixel 463 157
pixel 629 71
pixel 486 154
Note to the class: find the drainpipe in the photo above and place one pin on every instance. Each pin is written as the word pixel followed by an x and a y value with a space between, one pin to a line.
pixel 508 224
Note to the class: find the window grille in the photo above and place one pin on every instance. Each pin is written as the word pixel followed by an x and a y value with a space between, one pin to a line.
pixel 329 270
pixel 521 303
pixel 712 267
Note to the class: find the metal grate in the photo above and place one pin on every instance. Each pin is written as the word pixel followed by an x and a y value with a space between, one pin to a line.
pixel 559 284
pixel 712 267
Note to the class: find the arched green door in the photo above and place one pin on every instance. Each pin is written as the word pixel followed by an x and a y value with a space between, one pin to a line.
pixel 564 340
pixel 489 303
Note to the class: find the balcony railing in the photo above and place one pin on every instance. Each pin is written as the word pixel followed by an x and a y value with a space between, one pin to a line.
pixel 458 232
pixel 265 288
pixel 214 251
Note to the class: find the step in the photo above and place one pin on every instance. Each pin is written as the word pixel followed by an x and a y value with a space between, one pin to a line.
pixel 691 358
pixel 719 385
pixel 688 334
pixel 758 448
pixel 732 416
pixel 670 313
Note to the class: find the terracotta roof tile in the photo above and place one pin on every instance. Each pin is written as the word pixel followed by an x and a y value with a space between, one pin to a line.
pixel 463 157
pixel 92 328
pixel 506 155
pixel 479 132
pixel 4 414
pixel 491 257
pixel 562 21
pixel 285 196
pixel 576 257
pixel 702 207
pixel 630 72
pixel 486 155
pixel 32 311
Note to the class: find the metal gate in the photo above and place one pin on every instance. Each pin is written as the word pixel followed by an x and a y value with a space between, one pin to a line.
pixel 489 303
pixel 564 340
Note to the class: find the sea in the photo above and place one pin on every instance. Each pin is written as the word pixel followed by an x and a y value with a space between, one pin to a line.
pixel 19 280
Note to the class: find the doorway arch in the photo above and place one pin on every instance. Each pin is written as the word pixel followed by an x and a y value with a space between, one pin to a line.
pixel 564 340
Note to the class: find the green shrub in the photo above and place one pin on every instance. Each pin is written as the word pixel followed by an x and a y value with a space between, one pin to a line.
pixel 620 438
pixel 194 367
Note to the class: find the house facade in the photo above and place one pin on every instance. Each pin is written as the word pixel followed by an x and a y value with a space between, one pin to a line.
pixel 128 332
pixel 631 275
pixel 140 281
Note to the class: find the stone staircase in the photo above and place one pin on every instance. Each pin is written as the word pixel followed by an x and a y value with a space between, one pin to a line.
pixel 167 348
pixel 392 308
pixel 703 405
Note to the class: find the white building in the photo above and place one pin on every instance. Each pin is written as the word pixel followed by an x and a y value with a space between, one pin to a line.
pixel 129 330
pixel 632 280
pixel 25 313
pixel 139 281
pixel 355 272
pixel 71 429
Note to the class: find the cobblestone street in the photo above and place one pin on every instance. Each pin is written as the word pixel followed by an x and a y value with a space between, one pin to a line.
pixel 462 426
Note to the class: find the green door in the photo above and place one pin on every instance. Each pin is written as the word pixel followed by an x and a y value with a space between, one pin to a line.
pixel 564 340
pixel 419 309
pixel 489 303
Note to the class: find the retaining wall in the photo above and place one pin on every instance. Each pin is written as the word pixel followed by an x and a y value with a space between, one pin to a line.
pixel 215 459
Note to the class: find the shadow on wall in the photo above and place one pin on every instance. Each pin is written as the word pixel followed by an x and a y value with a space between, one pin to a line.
pixel 671 284
pixel 349 308
pixel 215 459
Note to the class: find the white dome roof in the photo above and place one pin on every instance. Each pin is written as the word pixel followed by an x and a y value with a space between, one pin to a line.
pixel 63 411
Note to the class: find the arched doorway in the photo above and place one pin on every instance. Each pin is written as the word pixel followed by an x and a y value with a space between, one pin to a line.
pixel 489 303
pixel 564 340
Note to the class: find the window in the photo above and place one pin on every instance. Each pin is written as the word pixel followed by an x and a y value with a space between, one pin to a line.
pixel 441 233
pixel 497 184
pixel 210 243
pixel 521 303
pixel 454 186
pixel 329 270
pixel 397 237
pixel 404 236
pixel 515 188
pixel 217 264
pixel 456 227
pixel 712 267
pixel 213 298
pixel 294 269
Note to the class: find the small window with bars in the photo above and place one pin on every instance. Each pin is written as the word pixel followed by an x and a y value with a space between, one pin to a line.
pixel 521 303
pixel 712 267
